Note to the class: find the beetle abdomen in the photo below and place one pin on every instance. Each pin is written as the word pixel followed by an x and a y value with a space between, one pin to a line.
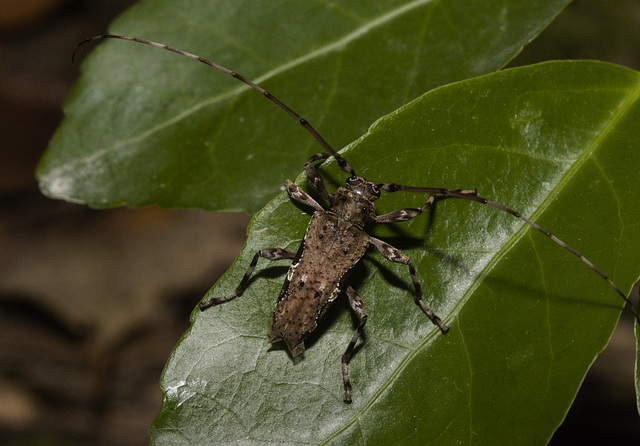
pixel 330 248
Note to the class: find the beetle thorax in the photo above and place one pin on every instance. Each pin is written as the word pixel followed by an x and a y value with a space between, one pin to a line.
pixel 353 203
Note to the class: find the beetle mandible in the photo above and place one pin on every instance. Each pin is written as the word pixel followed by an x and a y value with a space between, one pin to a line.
pixel 336 240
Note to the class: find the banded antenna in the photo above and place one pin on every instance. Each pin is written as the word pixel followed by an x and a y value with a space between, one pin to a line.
pixel 344 165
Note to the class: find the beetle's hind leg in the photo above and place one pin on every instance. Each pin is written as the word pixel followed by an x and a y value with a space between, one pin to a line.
pixel 269 254
pixel 358 306
pixel 395 255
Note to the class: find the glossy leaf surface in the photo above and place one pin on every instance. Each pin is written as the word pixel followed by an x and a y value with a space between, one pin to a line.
pixel 557 142
pixel 144 126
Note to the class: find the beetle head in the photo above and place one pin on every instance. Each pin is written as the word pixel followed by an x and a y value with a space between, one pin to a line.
pixel 354 202
pixel 361 186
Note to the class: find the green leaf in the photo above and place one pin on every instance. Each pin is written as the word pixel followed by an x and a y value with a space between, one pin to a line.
pixel 636 328
pixel 144 126
pixel 557 142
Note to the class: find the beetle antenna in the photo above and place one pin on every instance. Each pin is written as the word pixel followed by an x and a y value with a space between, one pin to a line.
pixel 470 195
pixel 344 164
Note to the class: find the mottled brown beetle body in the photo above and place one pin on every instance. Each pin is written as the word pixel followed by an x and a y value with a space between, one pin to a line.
pixel 334 242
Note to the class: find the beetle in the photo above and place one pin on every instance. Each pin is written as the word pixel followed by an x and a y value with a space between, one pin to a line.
pixel 336 240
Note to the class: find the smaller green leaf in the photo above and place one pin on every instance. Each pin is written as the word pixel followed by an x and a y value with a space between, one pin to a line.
pixel 144 126
pixel 557 142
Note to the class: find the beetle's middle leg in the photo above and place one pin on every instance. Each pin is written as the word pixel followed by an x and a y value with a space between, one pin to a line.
pixel 269 254
pixel 395 255
pixel 358 306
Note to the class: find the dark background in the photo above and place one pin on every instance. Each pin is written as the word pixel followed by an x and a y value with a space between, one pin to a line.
pixel 92 302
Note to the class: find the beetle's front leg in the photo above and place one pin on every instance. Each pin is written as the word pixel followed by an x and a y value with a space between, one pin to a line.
pixel 314 176
pixel 404 214
pixel 358 306
pixel 409 213
pixel 395 255
pixel 269 254
pixel 301 196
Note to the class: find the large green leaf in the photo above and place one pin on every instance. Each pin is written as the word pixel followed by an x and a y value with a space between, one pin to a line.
pixel 144 126
pixel 556 141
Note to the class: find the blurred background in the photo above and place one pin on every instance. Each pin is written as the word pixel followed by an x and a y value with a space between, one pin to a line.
pixel 92 302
